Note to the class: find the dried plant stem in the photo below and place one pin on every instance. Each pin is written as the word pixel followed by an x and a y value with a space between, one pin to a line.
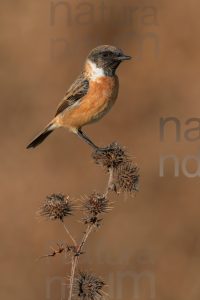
pixel 110 182
pixel 85 236
pixel 70 235
pixel 73 268
pixel 89 229
pixel 75 258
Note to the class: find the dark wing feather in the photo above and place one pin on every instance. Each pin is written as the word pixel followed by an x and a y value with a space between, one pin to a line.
pixel 77 90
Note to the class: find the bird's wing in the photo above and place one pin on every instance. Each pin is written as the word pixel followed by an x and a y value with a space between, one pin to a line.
pixel 77 90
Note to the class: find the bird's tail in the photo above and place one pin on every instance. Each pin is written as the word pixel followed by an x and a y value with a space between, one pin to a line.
pixel 42 136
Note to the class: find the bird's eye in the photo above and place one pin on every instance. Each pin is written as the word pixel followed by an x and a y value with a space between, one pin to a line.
pixel 105 54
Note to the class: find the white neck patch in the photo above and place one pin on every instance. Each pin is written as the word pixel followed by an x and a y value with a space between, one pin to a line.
pixel 95 72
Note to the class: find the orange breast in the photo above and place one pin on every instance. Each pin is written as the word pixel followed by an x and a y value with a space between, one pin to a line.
pixel 101 96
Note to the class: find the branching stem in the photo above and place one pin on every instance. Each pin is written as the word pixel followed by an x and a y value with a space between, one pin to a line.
pixel 75 258
pixel 89 229
pixel 70 235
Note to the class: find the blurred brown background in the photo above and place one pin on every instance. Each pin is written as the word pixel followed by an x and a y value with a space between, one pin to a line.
pixel 148 247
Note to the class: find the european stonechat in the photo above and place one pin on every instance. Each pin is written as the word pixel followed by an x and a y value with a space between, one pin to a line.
pixel 90 97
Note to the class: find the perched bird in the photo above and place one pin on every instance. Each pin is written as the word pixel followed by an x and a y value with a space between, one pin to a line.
pixel 90 97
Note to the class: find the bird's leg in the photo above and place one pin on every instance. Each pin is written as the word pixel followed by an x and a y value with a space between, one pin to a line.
pixel 84 137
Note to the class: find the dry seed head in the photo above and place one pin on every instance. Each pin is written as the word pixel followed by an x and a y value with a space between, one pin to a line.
pixel 56 207
pixel 96 204
pixel 93 206
pixel 126 178
pixel 112 157
pixel 87 286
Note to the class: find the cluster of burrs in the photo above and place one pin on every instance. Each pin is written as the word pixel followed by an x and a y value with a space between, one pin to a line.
pixel 124 174
pixel 123 177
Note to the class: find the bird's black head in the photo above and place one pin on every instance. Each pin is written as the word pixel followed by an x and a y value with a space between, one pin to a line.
pixel 107 58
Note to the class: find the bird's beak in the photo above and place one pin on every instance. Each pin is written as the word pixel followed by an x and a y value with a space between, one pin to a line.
pixel 123 57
